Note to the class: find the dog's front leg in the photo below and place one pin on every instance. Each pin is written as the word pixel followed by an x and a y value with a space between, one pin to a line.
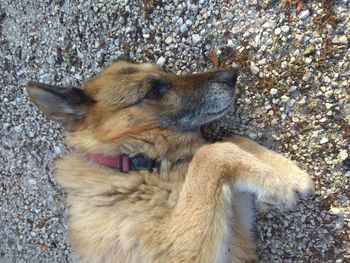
pixel 200 225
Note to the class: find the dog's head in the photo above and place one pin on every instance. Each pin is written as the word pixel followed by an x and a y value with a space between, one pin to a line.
pixel 131 107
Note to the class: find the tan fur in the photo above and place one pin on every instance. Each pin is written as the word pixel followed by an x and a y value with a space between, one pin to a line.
pixel 185 212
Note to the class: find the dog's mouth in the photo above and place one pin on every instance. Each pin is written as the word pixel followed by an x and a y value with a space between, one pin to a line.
pixel 201 113
pixel 219 114
pixel 196 106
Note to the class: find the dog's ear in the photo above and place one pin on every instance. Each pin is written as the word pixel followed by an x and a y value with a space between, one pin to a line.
pixel 60 104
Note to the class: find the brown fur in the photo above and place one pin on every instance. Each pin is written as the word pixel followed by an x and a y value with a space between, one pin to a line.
pixel 185 212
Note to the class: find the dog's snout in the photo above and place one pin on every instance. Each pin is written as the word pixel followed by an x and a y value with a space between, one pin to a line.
pixel 228 77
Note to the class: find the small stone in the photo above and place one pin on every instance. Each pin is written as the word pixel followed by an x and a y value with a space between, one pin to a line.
pixel 343 154
pixel 196 38
pixel 307 76
pixel 268 24
pixel 269 42
pixel 291 103
pixel 274 122
pixel 51 60
pixel 328 106
pixel 283 116
pixel 229 15
pixel 296 52
pixel 45 78
pixel 335 210
pixel 309 51
pixel 284 64
pixel 183 28
pixel 340 40
pixel 304 14
pixel 277 31
pixel 168 40
pixel 161 61
pixel 324 140
pixel 308 60
pixel 79 54
pixel 157 38
pixel 253 135
pixel 273 91
pixel 285 29
pixel 57 150
pixel 292 89
pixel 327 79
pixel 302 101
pixel 254 68
pixel 285 98
pixel 345 74
pixel 18 129
pixel 230 43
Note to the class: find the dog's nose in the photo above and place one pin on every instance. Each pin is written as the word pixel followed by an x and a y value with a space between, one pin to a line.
pixel 228 77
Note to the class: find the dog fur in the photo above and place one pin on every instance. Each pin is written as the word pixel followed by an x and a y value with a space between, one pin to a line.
pixel 187 211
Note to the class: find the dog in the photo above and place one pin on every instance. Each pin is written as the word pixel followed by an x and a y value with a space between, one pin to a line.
pixel 143 185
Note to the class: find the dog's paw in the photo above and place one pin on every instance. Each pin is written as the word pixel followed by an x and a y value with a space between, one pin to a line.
pixel 301 181
pixel 282 191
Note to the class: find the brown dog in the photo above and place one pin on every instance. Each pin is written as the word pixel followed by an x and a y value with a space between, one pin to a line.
pixel 143 185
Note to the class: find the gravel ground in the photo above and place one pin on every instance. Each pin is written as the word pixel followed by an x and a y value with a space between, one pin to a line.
pixel 293 97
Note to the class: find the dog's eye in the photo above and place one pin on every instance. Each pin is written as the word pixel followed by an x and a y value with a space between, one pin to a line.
pixel 153 94
pixel 157 90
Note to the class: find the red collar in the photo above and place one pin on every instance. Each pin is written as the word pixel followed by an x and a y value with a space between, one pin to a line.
pixel 123 162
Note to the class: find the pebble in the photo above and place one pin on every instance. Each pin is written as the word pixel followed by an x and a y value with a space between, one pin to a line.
pixel 183 28
pixel 161 61
pixel 45 78
pixel 343 154
pixel 278 31
pixel 285 98
pixel 328 106
pixel 229 15
pixel 292 89
pixel 269 42
pixel 168 40
pixel 285 29
pixel 335 210
pixel 273 91
pixel 304 14
pixel 307 76
pixel 345 74
pixel 308 60
pixel 324 140
pixel 196 38
pixel 254 68
pixel 340 40
pixel 269 25
pixel 284 64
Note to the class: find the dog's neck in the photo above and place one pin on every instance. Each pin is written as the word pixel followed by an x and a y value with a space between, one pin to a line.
pixel 123 162
pixel 171 148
